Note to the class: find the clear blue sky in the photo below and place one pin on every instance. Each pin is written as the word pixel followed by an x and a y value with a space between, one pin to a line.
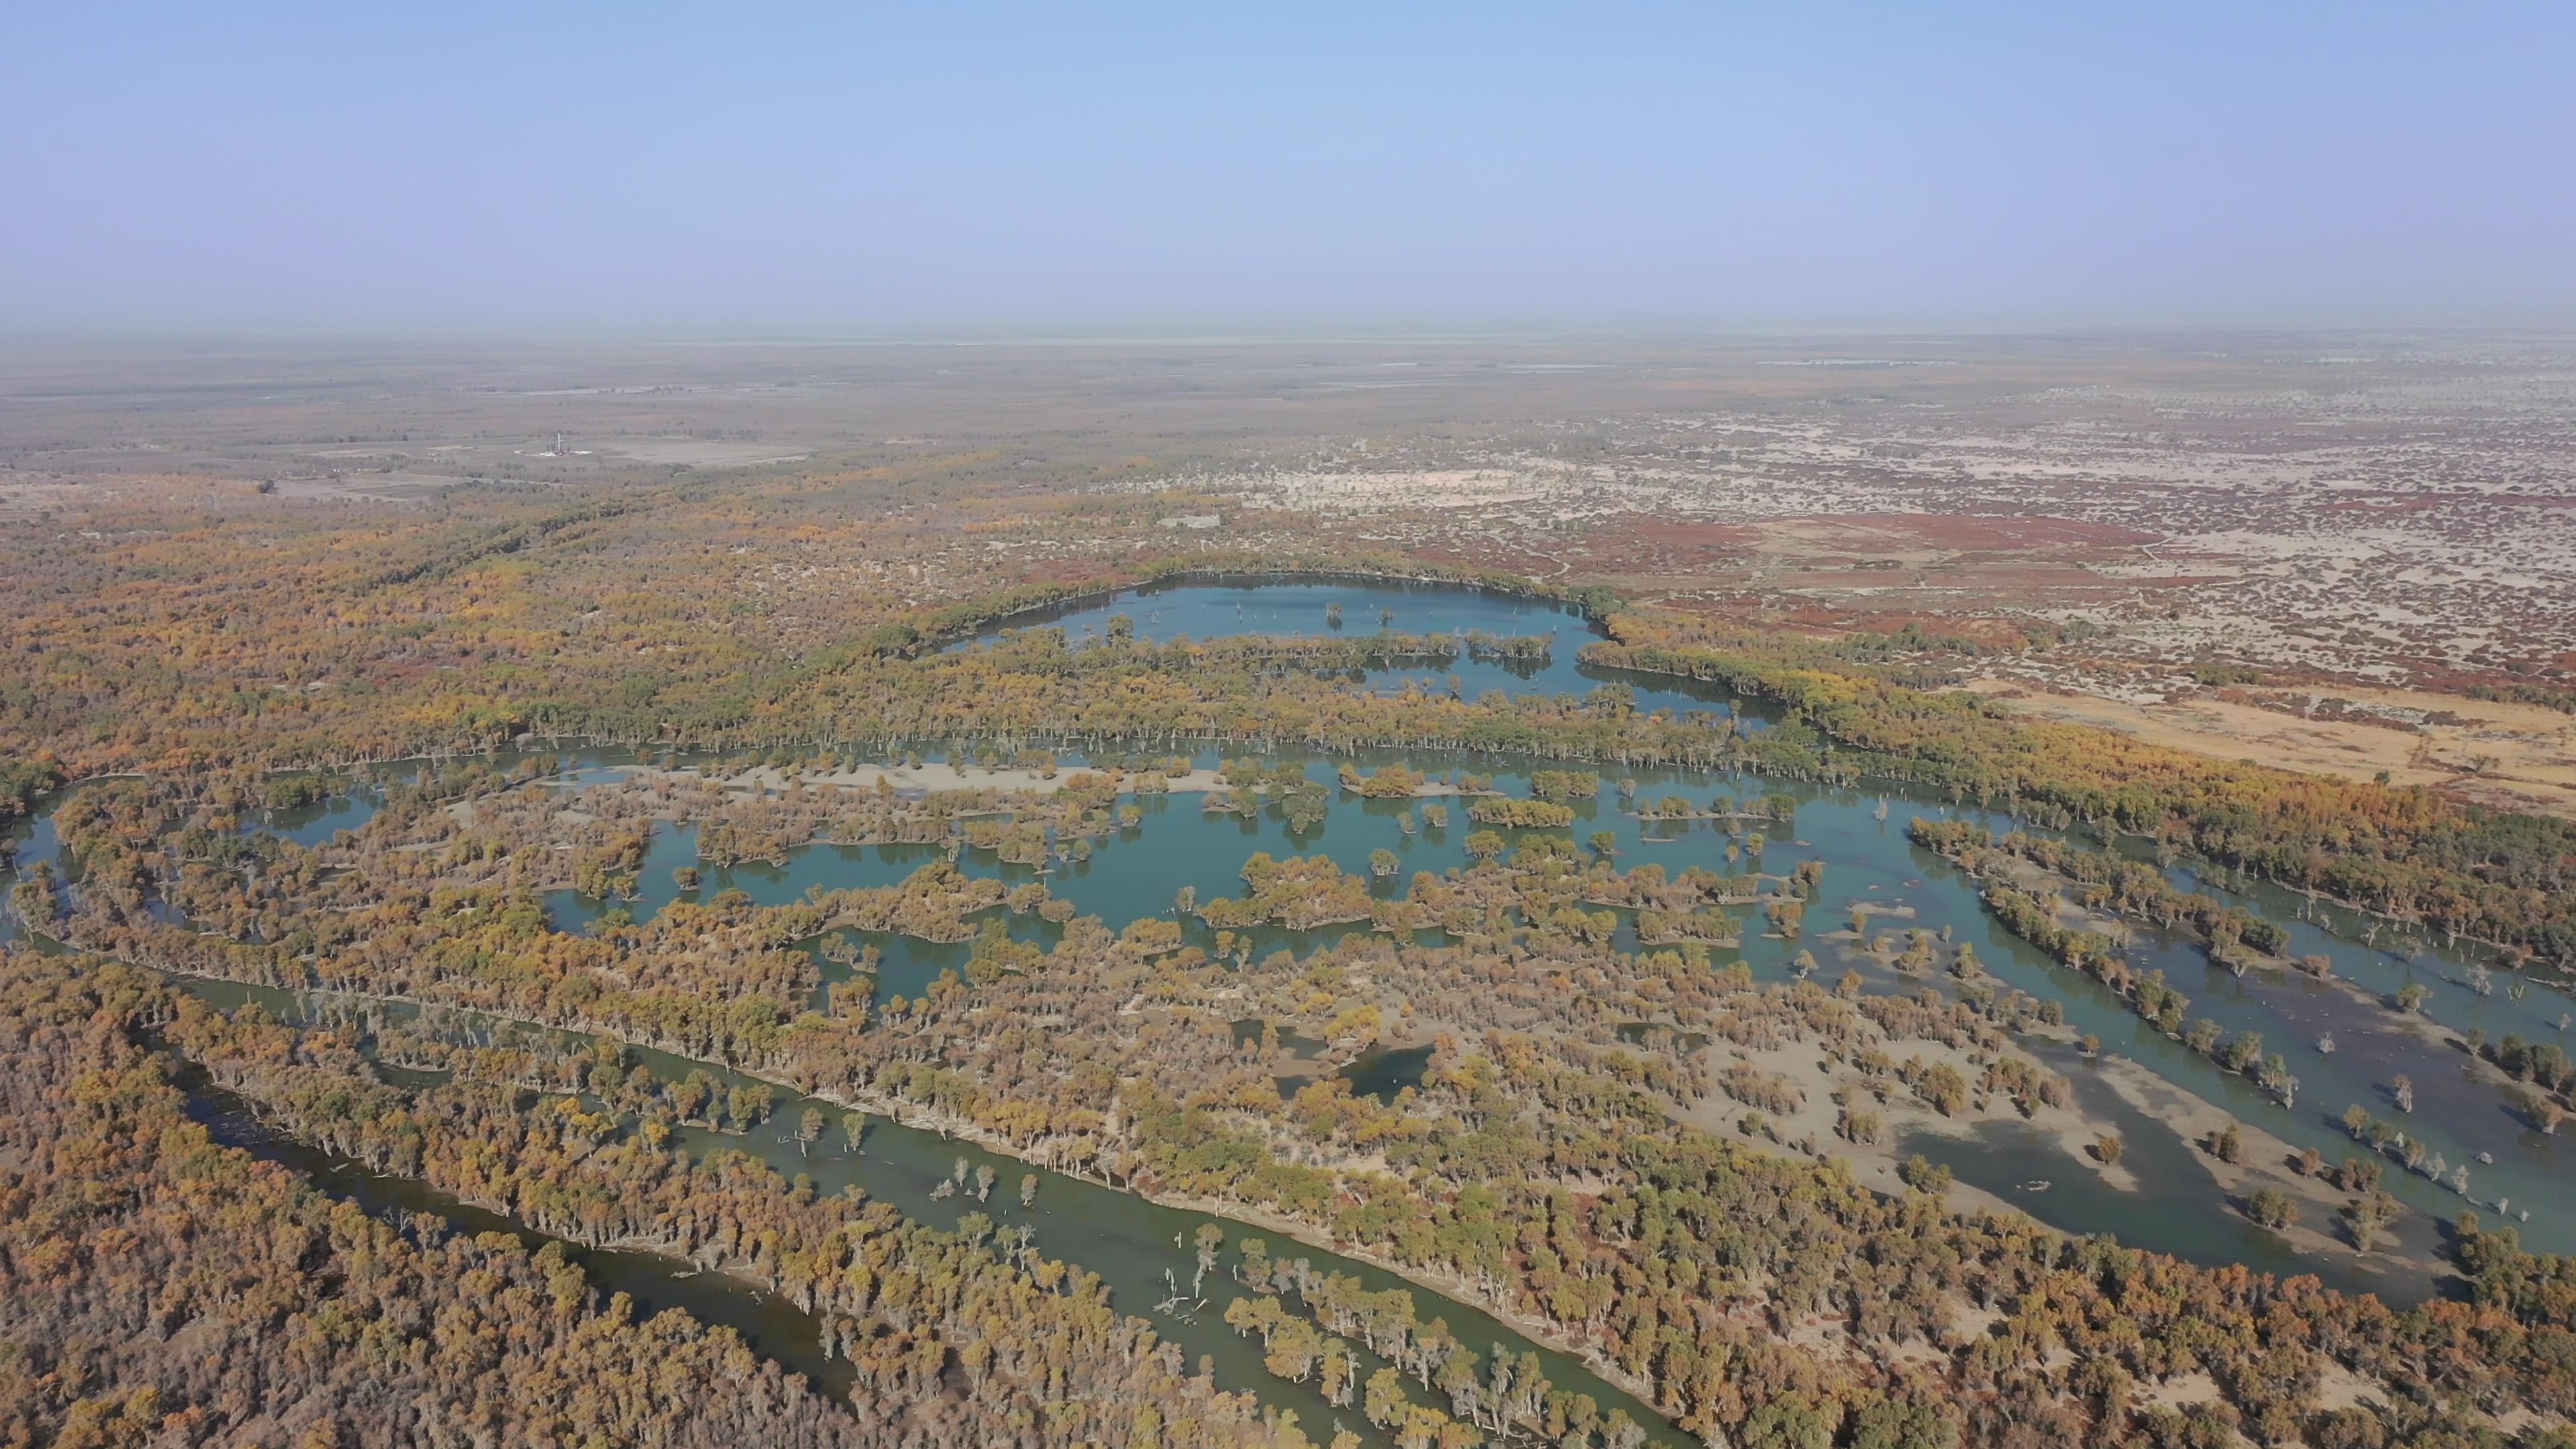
pixel 358 165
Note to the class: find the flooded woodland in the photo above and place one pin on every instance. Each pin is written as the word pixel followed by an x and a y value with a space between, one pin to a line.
pixel 2373 1011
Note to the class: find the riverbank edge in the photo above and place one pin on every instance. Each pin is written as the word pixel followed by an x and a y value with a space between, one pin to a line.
pixel 910 1115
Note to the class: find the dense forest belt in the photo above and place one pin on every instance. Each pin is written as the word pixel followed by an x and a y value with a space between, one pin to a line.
pixel 545 1162
pixel 21 782
pixel 331 1128
pixel 652 1280
pixel 2404 853
pixel 149 1278
pixel 467 546
pixel 916 1312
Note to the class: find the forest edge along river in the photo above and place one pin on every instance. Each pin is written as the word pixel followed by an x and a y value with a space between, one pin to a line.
pixel 1863 853
pixel 1128 1239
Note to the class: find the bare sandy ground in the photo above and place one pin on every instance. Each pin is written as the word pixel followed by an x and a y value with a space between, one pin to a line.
pixel 2337 1388
pixel 2532 750
pixel 1874 1163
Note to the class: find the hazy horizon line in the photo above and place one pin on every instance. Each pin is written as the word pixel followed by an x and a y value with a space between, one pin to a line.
pixel 1239 329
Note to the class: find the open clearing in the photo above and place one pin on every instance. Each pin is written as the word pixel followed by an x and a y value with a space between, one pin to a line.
pixel 2512 756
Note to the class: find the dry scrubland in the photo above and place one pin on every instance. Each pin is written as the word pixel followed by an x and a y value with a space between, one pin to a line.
pixel 2341 516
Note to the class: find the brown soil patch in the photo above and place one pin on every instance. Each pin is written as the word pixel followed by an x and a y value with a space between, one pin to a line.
pixel 2510 756
pixel 1986 533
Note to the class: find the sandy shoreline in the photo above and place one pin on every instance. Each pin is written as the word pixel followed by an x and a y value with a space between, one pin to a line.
pixel 2264 1163
pixel 1875 1163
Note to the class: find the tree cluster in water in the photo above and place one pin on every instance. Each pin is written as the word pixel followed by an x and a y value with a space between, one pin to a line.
pixel 1538 1165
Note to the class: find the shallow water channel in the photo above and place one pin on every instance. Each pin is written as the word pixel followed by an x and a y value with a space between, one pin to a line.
pixel 1128 1242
